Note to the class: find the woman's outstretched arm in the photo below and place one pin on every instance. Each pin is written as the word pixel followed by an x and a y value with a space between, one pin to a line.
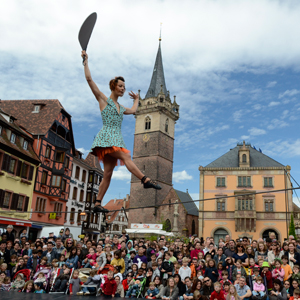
pixel 132 110
pixel 101 98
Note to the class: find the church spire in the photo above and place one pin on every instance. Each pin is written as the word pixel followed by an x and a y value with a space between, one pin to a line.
pixel 158 77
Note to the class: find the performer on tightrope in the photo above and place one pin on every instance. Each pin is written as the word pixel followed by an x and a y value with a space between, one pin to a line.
pixel 109 145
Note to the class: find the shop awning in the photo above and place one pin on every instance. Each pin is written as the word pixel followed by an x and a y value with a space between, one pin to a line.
pixel 15 222
pixel 36 226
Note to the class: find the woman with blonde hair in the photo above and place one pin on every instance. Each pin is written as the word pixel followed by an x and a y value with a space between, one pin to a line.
pixel 232 294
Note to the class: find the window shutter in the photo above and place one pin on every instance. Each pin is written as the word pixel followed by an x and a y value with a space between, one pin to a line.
pixel 5 163
pixel 14 202
pixel 30 173
pixel 223 181
pixel 218 181
pixel 26 204
pixel 240 181
pixel 19 168
pixel 2 193
pixel 249 181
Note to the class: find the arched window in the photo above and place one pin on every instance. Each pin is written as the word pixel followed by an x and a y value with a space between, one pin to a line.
pixel 193 227
pixel 147 123
pixel 266 234
pixel 219 233
pixel 167 125
pixel 78 216
pixel 167 225
pixel 75 193
pixel 244 158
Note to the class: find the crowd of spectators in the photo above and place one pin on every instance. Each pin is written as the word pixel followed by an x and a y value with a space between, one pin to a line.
pixel 181 269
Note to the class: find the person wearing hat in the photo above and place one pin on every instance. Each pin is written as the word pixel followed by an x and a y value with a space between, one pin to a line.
pixel 265 273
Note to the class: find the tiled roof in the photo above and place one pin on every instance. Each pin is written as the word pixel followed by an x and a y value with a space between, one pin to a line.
pixel 115 204
pixel 231 160
pixel 19 132
pixel 188 203
pixel 93 162
pixel 35 123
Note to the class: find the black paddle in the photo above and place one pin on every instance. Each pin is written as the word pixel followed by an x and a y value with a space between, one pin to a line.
pixel 86 30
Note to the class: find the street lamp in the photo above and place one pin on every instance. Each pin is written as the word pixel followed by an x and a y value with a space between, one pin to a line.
pixel 83 218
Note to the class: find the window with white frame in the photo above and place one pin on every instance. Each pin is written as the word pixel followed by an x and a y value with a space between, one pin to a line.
pixel 244 181
pixel 56 181
pixel 58 209
pixel 13 138
pixel 25 145
pixel 40 205
pixel 268 181
pixel 269 205
pixel 221 182
pixel 221 204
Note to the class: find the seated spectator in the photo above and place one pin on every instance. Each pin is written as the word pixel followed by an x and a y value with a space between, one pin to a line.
pixel 28 287
pixel 180 284
pixel 6 285
pixel 61 281
pixel 232 294
pixel 267 274
pixel 152 291
pixel 18 283
pixel 39 288
pixel 126 281
pixel 41 278
pixel 226 287
pixel 50 253
pixel 156 271
pixel 211 271
pixel 217 293
pixel 185 270
pixel 61 260
pixel 296 294
pixel 33 260
pixel 287 268
pixel 118 261
pixel 243 289
pixel 120 289
pixel 72 261
pixel 278 271
pixel 293 287
pixel 59 247
pixel 26 249
pixel 207 288
pixel 170 292
pixel 20 266
pixel 259 289
pixel 67 235
pixel 188 294
pixel 42 265
pixel 3 268
pixel 278 292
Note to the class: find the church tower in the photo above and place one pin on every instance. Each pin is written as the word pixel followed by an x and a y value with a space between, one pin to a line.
pixel 153 145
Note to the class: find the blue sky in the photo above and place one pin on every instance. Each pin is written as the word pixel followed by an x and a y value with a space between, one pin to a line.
pixel 233 65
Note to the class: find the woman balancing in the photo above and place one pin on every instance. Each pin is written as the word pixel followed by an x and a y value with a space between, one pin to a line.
pixel 109 145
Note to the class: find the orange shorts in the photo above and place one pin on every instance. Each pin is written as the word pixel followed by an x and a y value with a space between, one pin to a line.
pixel 100 152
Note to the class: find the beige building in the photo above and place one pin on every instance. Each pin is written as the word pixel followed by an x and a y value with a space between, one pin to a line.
pixel 255 209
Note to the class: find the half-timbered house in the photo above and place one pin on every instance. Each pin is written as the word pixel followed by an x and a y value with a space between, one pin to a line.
pixel 51 127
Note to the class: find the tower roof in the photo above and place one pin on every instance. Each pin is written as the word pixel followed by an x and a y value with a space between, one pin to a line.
pixel 158 77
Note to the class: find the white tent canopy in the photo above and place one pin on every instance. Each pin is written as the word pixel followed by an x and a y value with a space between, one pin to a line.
pixel 149 231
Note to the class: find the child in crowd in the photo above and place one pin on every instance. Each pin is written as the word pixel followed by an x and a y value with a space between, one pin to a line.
pixel 108 258
pixel 75 283
pixel 252 265
pixel 296 274
pixel 294 286
pixel 278 271
pixel 167 267
pixel 232 295
pixel 41 278
pixel 211 271
pixel 224 278
pixel 258 288
pixel 12 264
pixel 200 275
pixel 217 294
pixel 38 286
pixel 19 283
pixel 287 268
pixel 28 287
pixel 152 291
pixel 54 270
pixel 238 277
pixel 42 265
pixel 226 288
pixel 92 256
pixel 267 274
pixel 179 258
pixel 117 272
pixel 3 268
pixel 133 288
pixel 155 271
pixel 61 281
pixel 296 295
pixel 185 270
pixel 6 285
pixel 109 286
pixel 220 269
pixel 287 285
pixel 61 261
pixel 193 266
pixel 255 273
pixel 153 259
pixel 230 267
pixel 239 270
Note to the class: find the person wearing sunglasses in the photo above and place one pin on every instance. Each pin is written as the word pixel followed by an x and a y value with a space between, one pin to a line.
pixel 207 288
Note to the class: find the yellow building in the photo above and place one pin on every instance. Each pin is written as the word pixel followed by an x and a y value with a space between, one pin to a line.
pixel 241 171
pixel 18 164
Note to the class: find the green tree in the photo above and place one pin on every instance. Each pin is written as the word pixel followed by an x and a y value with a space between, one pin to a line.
pixel 292 230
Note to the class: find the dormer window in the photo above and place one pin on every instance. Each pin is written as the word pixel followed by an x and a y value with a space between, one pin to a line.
pixel 244 158
pixel 25 145
pixel 36 108
pixel 13 138
pixel 161 99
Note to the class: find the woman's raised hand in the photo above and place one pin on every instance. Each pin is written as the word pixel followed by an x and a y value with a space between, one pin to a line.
pixel 133 95
pixel 84 54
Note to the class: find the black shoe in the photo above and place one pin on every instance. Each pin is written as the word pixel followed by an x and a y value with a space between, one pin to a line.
pixel 100 209
pixel 150 184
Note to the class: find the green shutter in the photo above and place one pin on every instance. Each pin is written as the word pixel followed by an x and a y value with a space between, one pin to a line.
pixel 248 181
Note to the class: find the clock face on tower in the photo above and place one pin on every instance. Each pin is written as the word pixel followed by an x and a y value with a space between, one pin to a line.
pixel 146 137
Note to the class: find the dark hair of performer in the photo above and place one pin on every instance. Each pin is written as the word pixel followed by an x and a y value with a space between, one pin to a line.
pixel 104 147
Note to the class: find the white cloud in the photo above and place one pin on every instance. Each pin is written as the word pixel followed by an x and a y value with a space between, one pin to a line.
pixel 289 148
pixel 121 174
pixel 257 107
pixel 83 151
pixel 271 84
pixel 181 176
pixel 245 137
pixel 276 123
pixel 195 196
pixel 237 115
pixel 288 93
pixel 273 103
pixel 256 131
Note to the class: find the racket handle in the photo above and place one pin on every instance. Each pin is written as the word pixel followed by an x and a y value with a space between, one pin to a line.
pixel 83 59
